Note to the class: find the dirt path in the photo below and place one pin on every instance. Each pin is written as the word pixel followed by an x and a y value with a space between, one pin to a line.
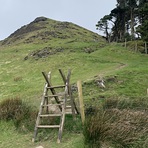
pixel 108 71
pixel 121 66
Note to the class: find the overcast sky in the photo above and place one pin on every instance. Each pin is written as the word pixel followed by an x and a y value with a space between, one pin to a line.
pixel 16 13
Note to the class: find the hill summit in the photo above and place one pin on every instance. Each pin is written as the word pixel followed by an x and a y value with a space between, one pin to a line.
pixel 43 30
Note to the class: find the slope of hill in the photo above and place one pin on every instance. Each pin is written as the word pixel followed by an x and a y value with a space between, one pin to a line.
pixel 43 30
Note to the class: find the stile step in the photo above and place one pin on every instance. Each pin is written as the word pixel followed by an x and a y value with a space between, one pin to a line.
pixel 68 113
pixel 51 115
pixel 48 126
pixel 60 86
pixel 56 95
pixel 68 107
pixel 52 105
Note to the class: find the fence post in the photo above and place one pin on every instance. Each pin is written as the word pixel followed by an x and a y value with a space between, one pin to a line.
pixel 125 43
pixel 136 48
pixel 145 47
pixel 79 85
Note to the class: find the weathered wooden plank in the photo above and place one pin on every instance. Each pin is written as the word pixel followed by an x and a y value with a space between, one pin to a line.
pixel 62 122
pixel 60 86
pixel 79 85
pixel 40 112
pixel 48 126
pixel 56 95
pixel 52 105
pixel 50 115
pixel 63 76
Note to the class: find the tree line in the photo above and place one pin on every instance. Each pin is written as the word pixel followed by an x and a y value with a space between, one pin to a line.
pixel 127 21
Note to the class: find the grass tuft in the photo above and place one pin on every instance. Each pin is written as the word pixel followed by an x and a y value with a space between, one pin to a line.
pixel 22 115
pixel 117 125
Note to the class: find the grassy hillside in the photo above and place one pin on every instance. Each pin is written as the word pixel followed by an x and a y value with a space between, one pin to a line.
pixel 19 75
pixel 24 55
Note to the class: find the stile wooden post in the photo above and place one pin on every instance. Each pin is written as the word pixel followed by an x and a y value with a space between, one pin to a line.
pixel 79 85
pixel 61 103
pixel 125 43
pixel 136 47
pixel 146 48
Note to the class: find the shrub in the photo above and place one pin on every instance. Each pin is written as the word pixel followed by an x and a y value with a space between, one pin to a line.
pixel 124 103
pixel 18 111
pixel 95 129
pixel 119 127
pixel 127 127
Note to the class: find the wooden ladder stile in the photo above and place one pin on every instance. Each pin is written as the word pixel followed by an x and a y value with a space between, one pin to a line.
pixel 61 104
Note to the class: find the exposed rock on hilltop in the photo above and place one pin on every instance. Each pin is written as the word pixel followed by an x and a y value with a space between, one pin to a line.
pixel 43 53
pixel 29 28
pixel 44 30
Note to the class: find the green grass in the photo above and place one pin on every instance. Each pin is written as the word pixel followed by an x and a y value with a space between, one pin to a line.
pixel 22 78
pixel 10 137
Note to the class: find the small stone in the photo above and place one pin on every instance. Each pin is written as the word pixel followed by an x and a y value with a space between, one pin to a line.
pixel 39 147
